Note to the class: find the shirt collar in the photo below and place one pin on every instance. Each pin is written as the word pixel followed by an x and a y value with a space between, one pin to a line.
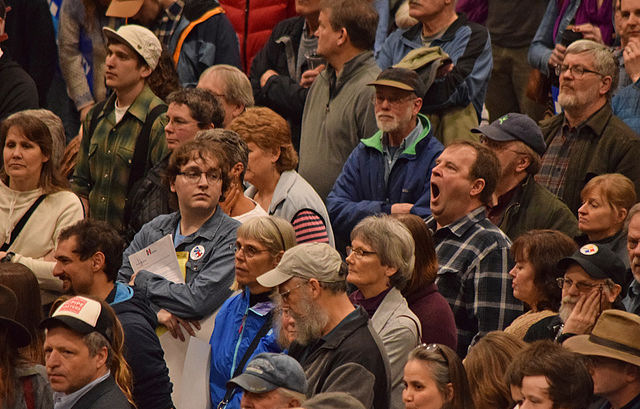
pixel 64 401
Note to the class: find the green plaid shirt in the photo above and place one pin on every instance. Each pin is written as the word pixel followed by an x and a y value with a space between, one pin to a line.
pixel 102 171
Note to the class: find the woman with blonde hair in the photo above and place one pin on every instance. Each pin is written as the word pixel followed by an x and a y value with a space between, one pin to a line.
pixel 275 185
pixel 245 319
pixel 606 200
pixel 486 364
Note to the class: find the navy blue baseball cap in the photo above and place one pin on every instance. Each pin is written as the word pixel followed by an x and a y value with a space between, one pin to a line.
pixel 515 127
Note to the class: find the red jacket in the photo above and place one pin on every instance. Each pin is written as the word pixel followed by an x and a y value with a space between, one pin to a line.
pixel 253 21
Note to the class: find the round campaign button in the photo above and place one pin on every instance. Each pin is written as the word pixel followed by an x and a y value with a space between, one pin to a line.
pixel 589 249
pixel 197 252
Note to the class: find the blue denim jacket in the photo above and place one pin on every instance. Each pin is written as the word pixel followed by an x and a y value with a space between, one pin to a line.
pixel 543 43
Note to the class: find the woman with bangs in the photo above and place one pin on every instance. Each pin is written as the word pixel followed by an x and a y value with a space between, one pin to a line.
pixel 247 317
pixel 537 253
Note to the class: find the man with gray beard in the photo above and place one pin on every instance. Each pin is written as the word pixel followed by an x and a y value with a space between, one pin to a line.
pixel 586 139
pixel 389 172
pixel 333 341
pixel 593 281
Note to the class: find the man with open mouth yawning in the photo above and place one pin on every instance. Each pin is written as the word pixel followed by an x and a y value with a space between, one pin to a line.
pixel 473 254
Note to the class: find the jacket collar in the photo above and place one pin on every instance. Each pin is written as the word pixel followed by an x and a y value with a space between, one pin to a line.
pixel 345 328
pixel 350 69
pixel 375 141
pixel 416 31
pixel 285 183
pixel 207 231
pixel 387 308
pixel 596 122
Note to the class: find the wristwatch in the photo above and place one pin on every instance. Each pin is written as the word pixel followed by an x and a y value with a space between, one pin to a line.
pixel 8 257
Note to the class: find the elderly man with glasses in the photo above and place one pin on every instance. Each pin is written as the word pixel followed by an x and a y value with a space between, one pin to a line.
pixel 593 281
pixel 586 139
pixel 389 172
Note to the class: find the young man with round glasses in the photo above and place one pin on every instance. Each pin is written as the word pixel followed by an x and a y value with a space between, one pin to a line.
pixel 203 236
pixel 389 172
pixel 592 282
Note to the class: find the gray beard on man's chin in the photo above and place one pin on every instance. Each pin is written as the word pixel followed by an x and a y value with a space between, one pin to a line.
pixel 565 311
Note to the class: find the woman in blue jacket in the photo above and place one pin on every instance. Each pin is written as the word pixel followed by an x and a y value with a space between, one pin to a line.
pixel 260 243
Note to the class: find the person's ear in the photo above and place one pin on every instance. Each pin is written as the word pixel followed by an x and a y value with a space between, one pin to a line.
pixel 613 293
pixel 523 163
pixel 477 187
pixel 343 37
pixel 277 258
pixel 145 71
pixel 97 261
pixel 605 86
pixel 101 356
pixel 448 392
pixel 315 288
pixel 621 214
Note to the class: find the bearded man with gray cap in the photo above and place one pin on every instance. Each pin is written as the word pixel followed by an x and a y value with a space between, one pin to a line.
pixel 271 381
pixel 389 172
pixel 613 349
pixel 521 204
pixel 122 137
pixel 593 282
pixel 334 341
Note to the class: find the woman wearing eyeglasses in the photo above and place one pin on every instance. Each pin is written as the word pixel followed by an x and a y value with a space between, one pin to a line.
pixel 537 253
pixel 247 316
pixel 380 260
pixel 434 378
pixel 606 200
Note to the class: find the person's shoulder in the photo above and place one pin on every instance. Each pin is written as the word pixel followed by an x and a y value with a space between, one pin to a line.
pixel 288 26
pixel 489 234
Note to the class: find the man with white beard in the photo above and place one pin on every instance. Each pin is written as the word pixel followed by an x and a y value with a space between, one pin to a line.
pixel 586 139
pixel 334 342
pixel 592 282
pixel 390 171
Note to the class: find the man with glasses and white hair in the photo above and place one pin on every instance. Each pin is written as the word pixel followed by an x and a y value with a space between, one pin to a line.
pixel 203 236
pixel 592 282
pixel 390 171
pixel 586 139
pixel 334 342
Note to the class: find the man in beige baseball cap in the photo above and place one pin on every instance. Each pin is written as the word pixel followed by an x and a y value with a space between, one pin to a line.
pixel 334 343
pixel 613 348
pixel 112 129
pixel 197 34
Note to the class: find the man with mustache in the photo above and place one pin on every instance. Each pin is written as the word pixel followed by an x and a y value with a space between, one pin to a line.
pixel 88 256
pixel 592 282
pixel 586 139
pixel 632 300
pixel 334 343
pixel 388 172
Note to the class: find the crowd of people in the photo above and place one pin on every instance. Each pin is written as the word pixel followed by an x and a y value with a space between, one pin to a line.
pixel 319 204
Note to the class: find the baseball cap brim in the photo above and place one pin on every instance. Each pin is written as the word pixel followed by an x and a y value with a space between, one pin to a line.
pixel 582 344
pixel 113 34
pixel 591 269
pixel 494 133
pixel 273 278
pixel 124 9
pixel 74 324
pixel 393 84
pixel 17 332
pixel 251 383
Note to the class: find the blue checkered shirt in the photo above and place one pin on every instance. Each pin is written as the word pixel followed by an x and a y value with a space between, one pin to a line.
pixel 474 275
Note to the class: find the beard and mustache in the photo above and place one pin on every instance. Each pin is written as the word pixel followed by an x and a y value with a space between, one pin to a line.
pixel 309 322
